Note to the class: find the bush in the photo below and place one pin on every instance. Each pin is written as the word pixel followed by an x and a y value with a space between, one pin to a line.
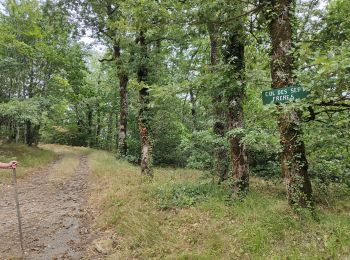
pixel 187 194
pixel 264 163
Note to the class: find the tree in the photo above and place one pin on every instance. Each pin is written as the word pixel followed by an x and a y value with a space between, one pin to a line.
pixel 294 164
pixel 36 52
pixel 234 56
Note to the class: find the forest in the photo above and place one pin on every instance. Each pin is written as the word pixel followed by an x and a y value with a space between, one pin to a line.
pixel 239 90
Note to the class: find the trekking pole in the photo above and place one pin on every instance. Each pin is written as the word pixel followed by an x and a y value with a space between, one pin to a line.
pixel 18 211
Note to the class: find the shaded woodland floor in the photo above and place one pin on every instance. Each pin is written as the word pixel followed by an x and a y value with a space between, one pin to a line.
pixel 87 205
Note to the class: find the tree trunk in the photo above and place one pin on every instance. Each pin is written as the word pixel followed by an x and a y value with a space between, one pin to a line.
pixel 98 125
pixel 25 134
pixel 123 114
pixel 36 130
pixel 110 131
pixel 28 137
pixel 234 56
pixel 294 164
pixel 17 133
pixel 193 109
pixel 220 153
pixel 89 124
pixel 144 112
pixel 31 133
pixel 123 93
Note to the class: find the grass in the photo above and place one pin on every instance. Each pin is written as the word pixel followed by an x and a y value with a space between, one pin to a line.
pixel 181 215
pixel 34 158
pixel 29 158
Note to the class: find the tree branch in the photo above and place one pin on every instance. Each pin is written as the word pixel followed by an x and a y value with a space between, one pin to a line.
pixel 105 59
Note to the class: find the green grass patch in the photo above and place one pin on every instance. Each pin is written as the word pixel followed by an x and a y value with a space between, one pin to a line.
pixel 28 158
pixel 175 195
pixel 181 215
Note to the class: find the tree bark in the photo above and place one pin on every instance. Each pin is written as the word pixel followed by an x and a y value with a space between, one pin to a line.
pixel 17 133
pixel 28 133
pixel 144 112
pixel 109 131
pixel 219 128
pixel 89 125
pixel 193 109
pixel 31 133
pixel 294 164
pixel 234 56
pixel 123 94
pixel 98 125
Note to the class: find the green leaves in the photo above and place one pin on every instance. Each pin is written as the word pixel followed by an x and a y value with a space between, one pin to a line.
pixel 20 111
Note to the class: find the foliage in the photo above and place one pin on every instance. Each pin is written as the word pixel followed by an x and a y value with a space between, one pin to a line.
pixel 175 195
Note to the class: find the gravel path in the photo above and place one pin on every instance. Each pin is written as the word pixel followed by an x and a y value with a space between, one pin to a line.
pixel 54 214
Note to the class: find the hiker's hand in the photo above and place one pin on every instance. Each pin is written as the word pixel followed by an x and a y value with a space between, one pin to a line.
pixel 13 164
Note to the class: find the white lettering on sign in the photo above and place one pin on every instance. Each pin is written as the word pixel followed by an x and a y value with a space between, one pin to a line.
pixel 269 94
pixel 284 95
pixel 296 90
pixel 282 92
pixel 283 98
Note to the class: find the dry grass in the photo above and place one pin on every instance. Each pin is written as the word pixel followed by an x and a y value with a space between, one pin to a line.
pixel 261 227
pixel 34 158
pixel 65 149
pixel 29 158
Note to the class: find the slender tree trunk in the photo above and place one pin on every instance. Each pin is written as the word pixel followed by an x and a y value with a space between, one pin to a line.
pixel 294 164
pixel 193 109
pixel 234 56
pixel 29 130
pixel 89 123
pixel 29 133
pixel 220 152
pixel 144 112
pixel 123 114
pixel 36 130
pixel 80 122
pixel 98 126
pixel 17 132
pixel 123 93
pixel 110 131
pixel 25 133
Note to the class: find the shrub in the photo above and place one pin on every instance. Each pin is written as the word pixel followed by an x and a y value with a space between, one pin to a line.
pixel 187 194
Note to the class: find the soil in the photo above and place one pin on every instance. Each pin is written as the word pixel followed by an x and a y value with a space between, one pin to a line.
pixel 55 216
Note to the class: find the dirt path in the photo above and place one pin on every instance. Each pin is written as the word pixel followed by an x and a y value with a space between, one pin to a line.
pixel 54 214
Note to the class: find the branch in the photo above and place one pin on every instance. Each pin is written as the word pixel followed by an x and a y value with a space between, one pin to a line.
pixel 256 9
pixel 105 59
pixel 313 114
pixel 162 39
pixel 333 104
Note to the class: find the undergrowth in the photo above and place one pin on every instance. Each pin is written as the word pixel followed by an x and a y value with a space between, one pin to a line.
pixel 180 215
pixel 174 195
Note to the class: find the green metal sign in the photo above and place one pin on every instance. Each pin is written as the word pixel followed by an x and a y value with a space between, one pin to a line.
pixel 284 95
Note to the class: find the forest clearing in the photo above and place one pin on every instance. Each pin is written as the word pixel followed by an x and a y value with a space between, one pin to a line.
pixel 175 129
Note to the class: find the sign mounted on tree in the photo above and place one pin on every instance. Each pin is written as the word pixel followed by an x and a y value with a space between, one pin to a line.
pixel 284 95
